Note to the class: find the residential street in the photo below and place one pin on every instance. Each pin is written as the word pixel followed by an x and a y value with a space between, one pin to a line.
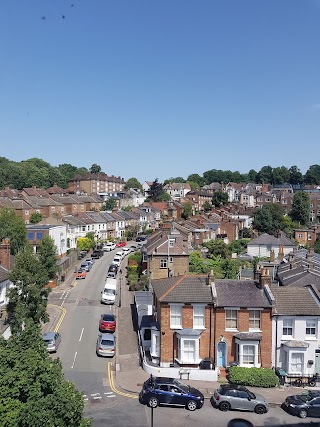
pixel 110 386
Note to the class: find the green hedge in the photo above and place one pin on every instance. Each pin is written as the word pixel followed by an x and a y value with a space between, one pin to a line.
pixel 254 377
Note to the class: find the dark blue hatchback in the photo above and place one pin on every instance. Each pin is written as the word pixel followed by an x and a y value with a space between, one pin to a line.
pixel 170 391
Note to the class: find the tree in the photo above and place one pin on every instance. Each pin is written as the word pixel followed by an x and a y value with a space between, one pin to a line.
pixel 217 248
pixel 186 210
pixel 312 175
pixel 300 210
pixel 196 179
pixel 252 175
pixel 219 198
pixel 265 174
pixel 207 206
pixel 47 253
pixel 316 246
pixel 164 197
pixel 29 297
pixel 193 185
pixel 13 228
pixel 34 392
pixel 133 183
pixel 95 168
pixel 109 205
pixel 90 236
pixel 280 175
pixel 268 219
pixel 84 244
pixel 155 191
pixel 35 218
pixel 295 176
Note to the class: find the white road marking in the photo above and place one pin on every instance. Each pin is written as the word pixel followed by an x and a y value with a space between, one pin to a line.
pixel 112 395
pixel 75 356
pixel 97 397
pixel 109 392
pixel 62 295
pixel 62 303
pixel 81 334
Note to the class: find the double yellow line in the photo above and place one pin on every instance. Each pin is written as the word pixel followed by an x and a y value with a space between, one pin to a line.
pixel 62 314
pixel 112 386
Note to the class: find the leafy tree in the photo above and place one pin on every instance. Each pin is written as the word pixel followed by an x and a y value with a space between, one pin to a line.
pixel 95 168
pixel 133 183
pixel 316 246
pixel 265 174
pixel 219 198
pixel 178 179
pixel 34 392
pixel 247 233
pixel 300 210
pixel 109 205
pixel 288 226
pixel 268 219
pixel 238 246
pixel 280 175
pixel 295 176
pixel 90 236
pixel 194 185
pixel 252 175
pixel 196 178
pixel 84 244
pixel 155 191
pixel 186 210
pixel 207 206
pixel 312 175
pixel 217 248
pixel 164 197
pixel 28 298
pixel 47 253
pixel 230 268
pixel 35 218
pixel 13 228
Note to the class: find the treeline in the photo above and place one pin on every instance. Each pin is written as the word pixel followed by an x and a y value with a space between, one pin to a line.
pixel 37 172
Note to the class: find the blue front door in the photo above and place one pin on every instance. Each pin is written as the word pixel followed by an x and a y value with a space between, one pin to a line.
pixel 222 349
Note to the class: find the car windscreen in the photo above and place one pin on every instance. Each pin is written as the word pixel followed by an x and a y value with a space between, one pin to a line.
pixel 107 342
pixel 108 317
pixel 108 291
pixel 48 341
pixel 305 397
pixel 182 385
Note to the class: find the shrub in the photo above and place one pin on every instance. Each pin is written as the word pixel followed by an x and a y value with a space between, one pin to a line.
pixel 254 377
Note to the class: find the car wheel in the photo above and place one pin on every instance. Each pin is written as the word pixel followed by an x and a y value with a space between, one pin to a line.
pixel 191 405
pixel 303 413
pixel 224 406
pixel 260 409
pixel 153 402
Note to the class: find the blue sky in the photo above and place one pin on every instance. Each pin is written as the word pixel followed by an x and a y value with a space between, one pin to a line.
pixel 159 89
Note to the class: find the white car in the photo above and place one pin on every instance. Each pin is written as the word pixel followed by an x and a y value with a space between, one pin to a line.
pixel 109 246
pixel 126 251
pixel 116 261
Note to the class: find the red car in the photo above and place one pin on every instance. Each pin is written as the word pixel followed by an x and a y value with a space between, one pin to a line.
pixel 119 244
pixel 107 323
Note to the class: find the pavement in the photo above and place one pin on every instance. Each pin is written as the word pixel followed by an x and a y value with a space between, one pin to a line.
pixel 129 376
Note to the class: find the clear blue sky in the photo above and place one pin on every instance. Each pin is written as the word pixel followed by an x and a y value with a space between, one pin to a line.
pixel 159 89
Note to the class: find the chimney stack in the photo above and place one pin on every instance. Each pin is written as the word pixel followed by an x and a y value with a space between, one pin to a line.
pixel 265 278
pixel 5 254
pixel 281 253
pixel 210 278
pixel 309 257
pixel 272 255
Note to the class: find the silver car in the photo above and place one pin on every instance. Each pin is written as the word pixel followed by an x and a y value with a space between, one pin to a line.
pixel 106 345
pixel 52 341
pixel 232 396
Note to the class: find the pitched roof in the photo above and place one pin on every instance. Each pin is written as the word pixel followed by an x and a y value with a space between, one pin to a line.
pixel 240 293
pixel 267 239
pixel 293 301
pixel 183 289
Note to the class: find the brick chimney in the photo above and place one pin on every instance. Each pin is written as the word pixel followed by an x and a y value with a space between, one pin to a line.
pixel 272 255
pixel 281 253
pixel 210 278
pixel 309 257
pixel 265 278
pixel 5 254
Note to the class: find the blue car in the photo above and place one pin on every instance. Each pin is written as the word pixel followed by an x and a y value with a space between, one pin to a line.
pixel 169 391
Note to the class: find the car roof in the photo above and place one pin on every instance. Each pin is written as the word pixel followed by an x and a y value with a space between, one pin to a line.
pixel 49 335
pixel 107 337
pixel 108 316
pixel 160 380
pixel 233 387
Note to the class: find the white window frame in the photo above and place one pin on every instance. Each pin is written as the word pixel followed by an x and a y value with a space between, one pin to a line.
pixel 176 316
pixel 163 263
pixel 287 324
pixel 313 323
pixel 199 311
pixel 294 365
pixel 256 321
pixel 182 352
pixel 248 355
pixel 230 318
pixel 242 355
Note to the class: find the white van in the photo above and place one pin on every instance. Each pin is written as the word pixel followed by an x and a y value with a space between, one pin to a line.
pixel 108 295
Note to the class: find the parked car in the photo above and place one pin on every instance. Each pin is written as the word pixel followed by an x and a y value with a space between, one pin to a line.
pixel 113 267
pixel 90 260
pixel 116 261
pixel 97 253
pixel 106 345
pixel 82 254
pixel 126 251
pixel 81 274
pixel 107 323
pixel 52 341
pixel 109 246
pixel 140 239
pixel 170 391
pixel 306 404
pixel 232 396
pixel 86 266
pixel 121 244
pixel 111 274
pixel 133 247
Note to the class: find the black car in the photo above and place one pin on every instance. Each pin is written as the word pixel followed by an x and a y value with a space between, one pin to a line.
pixel 306 404
pixel 97 253
pixel 170 391
pixel 113 268
pixel 140 239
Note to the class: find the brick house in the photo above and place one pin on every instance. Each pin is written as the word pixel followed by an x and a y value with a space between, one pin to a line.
pixel 95 184
pixel 307 236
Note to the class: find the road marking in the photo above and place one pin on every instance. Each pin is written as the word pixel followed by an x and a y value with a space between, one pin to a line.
pixel 75 356
pixel 95 394
pixel 109 392
pixel 63 313
pixel 62 295
pixel 97 397
pixel 81 334
pixel 112 386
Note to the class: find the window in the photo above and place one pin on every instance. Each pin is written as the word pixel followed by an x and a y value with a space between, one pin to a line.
pixel 287 327
pixel 311 326
pixel 231 319
pixel 175 316
pixel 171 243
pixel 39 235
pixel 299 236
pixel 30 235
pixel 188 352
pixel 296 362
pixel 248 355
pixel 198 316
pixel 254 319
pixel 163 263
pixel 147 334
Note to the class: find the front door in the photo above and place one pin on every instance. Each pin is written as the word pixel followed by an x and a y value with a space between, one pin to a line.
pixel 222 354
pixel 317 364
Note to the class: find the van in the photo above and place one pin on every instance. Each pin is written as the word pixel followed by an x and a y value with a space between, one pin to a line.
pixel 108 295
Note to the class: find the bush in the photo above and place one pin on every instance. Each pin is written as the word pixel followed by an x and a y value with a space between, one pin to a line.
pixel 254 377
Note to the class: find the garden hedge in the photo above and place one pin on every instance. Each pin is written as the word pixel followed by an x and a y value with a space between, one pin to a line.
pixel 254 377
